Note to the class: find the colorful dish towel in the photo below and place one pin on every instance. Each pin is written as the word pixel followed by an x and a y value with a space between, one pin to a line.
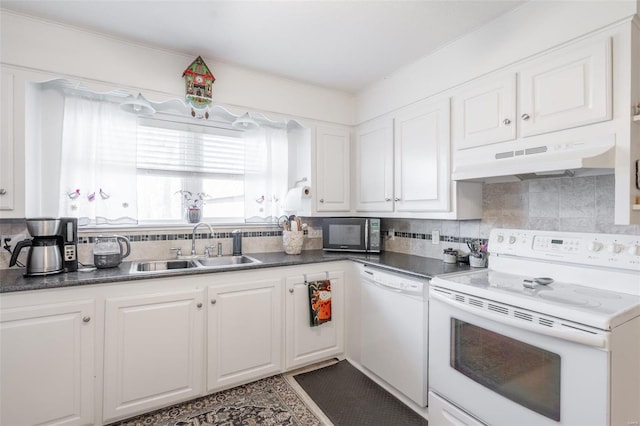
pixel 320 301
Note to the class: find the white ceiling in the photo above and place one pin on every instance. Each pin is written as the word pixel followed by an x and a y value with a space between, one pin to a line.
pixel 345 44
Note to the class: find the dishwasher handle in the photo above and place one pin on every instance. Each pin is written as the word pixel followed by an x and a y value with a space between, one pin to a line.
pixel 370 277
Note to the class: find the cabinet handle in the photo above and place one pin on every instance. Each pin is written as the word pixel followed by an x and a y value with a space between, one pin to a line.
pixel 387 199
pixel 290 290
pixel 199 305
pixel 506 121
pixel 322 200
pixel 525 116
pixel 213 301
pixel 86 319
pixel 396 199
pixel 3 191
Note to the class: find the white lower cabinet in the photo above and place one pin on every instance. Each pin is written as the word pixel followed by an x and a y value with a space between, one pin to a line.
pixel 47 364
pixel 307 344
pixel 244 331
pixel 153 351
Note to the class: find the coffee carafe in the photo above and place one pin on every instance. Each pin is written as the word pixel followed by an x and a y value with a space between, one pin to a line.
pixel 53 248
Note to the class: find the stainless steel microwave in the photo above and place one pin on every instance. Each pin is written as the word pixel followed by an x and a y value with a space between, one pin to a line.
pixel 351 234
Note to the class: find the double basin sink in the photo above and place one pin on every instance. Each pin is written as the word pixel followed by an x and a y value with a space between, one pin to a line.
pixel 154 266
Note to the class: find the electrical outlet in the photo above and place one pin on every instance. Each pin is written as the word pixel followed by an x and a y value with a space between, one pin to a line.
pixel 435 237
pixel 15 239
pixel 391 234
pixel 314 233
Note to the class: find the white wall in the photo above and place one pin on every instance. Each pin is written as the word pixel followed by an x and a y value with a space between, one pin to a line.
pixel 70 52
pixel 525 31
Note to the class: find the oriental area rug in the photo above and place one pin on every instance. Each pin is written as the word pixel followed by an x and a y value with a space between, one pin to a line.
pixel 273 401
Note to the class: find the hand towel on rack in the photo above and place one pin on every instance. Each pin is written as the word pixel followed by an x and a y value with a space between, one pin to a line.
pixel 320 301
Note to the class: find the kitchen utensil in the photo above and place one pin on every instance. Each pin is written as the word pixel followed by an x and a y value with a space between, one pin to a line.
pixel 108 252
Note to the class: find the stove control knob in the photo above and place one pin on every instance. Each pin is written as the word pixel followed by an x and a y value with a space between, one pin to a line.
pixel 512 239
pixel 634 250
pixel 615 248
pixel 500 238
pixel 595 246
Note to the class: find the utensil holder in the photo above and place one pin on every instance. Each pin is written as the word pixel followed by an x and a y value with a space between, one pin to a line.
pixel 292 241
pixel 478 262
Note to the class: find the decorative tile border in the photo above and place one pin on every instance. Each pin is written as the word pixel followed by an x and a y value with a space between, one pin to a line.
pixel 443 238
pixel 187 236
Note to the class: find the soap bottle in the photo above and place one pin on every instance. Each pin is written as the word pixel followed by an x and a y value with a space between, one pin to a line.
pixel 237 242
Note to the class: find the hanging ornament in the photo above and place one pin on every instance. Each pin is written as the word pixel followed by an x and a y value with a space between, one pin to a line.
pixel 198 81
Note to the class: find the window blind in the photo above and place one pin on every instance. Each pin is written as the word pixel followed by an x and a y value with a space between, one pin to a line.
pixel 171 146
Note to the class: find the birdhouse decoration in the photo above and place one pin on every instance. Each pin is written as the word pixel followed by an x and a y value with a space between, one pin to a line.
pixel 198 81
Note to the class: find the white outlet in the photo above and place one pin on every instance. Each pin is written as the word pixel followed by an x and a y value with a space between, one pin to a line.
pixel 314 233
pixel 435 237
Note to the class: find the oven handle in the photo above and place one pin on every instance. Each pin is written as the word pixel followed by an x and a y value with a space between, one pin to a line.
pixel 582 337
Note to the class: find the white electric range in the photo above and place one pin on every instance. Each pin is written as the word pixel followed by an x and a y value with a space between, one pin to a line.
pixel 548 335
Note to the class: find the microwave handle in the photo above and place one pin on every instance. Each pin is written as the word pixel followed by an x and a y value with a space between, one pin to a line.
pixel 584 338
pixel 366 234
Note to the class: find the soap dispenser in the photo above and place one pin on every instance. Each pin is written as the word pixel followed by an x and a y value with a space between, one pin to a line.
pixel 237 242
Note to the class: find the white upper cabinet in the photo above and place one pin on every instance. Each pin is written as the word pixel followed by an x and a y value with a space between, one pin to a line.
pixel 403 166
pixel 7 186
pixel 422 176
pixel 565 89
pixel 486 112
pixel 374 166
pixel 332 169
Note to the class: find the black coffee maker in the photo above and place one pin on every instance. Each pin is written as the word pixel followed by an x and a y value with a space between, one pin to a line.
pixel 53 248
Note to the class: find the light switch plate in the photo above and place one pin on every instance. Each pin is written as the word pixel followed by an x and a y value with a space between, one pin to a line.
pixel 435 237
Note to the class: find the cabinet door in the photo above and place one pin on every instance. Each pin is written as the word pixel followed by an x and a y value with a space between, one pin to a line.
pixel 306 344
pixel 153 351
pixel 422 177
pixel 332 169
pixel 567 89
pixel 47 364
pixel 374 166
pixel 244 332
pixel 485 113
pixel 7 189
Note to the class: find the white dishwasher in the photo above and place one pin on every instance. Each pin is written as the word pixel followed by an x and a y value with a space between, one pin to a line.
pixel 394 331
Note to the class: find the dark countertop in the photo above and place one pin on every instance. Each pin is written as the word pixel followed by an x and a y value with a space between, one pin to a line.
pixel 13 280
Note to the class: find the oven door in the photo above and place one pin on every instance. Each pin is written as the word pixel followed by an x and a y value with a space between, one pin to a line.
pixel 504 374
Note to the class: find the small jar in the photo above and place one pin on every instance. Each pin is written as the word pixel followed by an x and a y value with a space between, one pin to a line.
pixel 450 255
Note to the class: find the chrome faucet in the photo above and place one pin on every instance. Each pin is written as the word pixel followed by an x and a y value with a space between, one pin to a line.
pixel 193 236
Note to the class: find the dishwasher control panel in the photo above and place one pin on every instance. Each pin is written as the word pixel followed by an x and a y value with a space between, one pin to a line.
pixel 394 281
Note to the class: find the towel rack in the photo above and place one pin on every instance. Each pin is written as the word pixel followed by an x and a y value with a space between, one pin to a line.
pixel 306 281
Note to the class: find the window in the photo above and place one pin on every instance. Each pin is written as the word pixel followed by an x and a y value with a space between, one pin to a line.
pixel 175 158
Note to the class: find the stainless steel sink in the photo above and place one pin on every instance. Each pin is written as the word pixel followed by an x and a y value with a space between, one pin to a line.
pixel 226 261
pixel 161 265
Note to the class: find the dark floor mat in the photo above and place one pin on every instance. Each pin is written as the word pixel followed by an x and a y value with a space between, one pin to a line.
pixel 349 398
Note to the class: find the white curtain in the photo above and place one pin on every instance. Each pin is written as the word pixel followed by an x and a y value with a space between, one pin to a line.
pixel 266 163
pixel 98 167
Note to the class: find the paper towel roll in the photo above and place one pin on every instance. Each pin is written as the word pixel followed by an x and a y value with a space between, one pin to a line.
pixel 294 196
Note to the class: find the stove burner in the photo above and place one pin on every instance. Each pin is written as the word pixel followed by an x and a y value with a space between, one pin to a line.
pixel 568 300
pixel 602 294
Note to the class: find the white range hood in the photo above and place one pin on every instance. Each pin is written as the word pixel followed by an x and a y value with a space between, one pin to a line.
pixel 579 158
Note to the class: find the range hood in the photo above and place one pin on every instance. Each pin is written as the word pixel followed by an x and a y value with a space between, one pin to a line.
pixel 545 161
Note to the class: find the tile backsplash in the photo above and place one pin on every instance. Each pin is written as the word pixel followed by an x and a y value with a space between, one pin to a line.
pixel 582 204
